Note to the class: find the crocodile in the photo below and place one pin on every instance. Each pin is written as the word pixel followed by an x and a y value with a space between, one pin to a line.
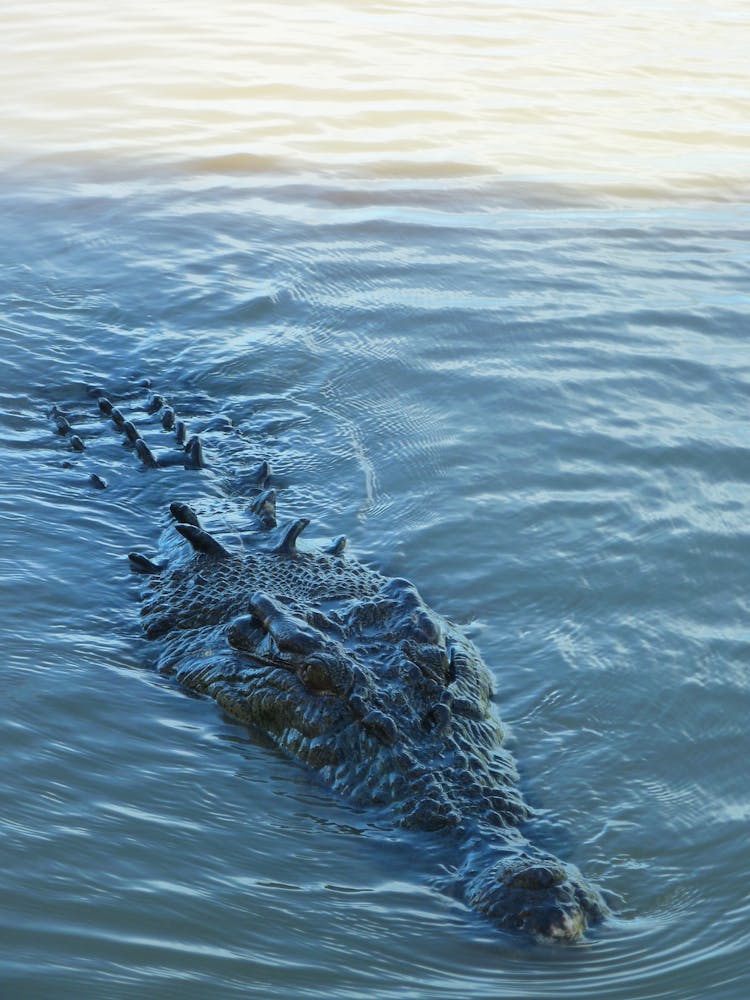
pixel 350 672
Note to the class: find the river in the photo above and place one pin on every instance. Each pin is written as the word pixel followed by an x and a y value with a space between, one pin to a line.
pixel 481 271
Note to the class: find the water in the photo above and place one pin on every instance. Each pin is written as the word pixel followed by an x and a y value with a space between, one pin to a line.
pixel 482 271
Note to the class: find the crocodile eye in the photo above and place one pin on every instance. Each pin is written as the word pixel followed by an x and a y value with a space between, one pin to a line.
pixel 316 676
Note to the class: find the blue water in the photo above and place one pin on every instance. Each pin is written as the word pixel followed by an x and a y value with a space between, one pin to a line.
pixel 539 415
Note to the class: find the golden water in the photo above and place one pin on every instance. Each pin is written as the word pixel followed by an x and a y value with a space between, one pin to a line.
pixel 636 99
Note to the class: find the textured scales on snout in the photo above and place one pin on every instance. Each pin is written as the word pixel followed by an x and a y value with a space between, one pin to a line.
pixel 350 672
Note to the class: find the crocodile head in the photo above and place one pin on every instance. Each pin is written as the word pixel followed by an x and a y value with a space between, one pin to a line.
pixel 344 668
pixel 389 702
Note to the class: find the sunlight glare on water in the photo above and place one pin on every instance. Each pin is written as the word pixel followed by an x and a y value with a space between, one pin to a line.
pixel 646 99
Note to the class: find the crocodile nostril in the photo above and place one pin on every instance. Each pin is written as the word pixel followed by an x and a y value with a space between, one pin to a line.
pixel 536 877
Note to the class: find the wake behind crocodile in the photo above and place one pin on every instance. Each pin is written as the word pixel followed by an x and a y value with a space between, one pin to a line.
pixel 347 670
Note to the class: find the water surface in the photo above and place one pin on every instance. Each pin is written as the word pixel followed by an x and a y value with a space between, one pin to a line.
pixel 489 300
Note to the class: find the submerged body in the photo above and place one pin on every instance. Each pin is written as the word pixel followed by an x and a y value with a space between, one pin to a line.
pixel 350 672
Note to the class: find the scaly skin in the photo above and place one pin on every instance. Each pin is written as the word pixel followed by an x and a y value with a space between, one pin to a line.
pixel 350 672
